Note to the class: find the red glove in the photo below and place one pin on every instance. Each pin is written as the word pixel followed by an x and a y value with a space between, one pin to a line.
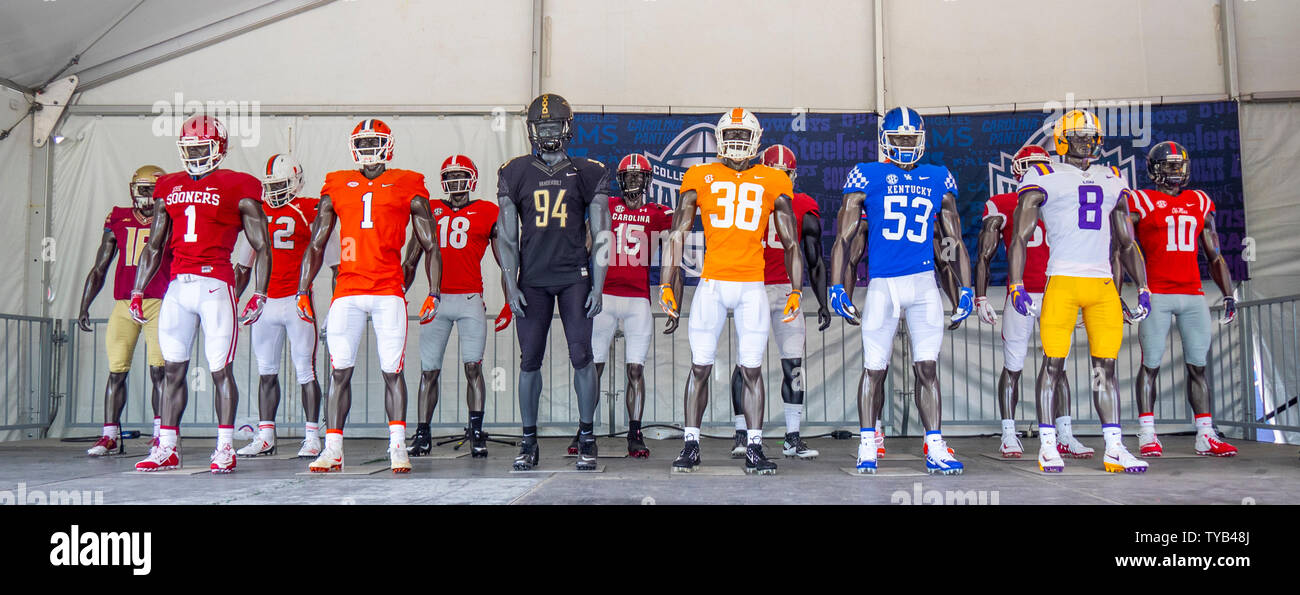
pixel 305 310
pixel 253 309
pixel 430 308
pixel 504 318
pixel 137 307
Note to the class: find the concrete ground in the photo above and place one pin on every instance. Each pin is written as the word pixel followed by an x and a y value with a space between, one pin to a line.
pixel 52 470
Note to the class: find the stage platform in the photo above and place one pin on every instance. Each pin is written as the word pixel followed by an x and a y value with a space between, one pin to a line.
pixel 50 469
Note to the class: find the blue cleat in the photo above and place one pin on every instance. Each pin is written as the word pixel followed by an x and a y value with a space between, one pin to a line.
pixel 940 460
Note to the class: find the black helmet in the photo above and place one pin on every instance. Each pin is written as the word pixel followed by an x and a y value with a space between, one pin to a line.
pixel 1168 164
pixel 550 123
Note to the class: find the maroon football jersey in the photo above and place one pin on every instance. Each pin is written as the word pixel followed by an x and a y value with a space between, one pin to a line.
pixel 205 219
pixel 132 234
pixel 629 270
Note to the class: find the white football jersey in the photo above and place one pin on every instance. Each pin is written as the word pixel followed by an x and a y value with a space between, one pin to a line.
pixel 1076 215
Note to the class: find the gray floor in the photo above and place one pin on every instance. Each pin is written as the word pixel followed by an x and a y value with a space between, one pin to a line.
pixel 1262 474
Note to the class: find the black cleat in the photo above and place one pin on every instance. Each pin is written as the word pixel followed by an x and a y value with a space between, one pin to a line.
pixel 795 448
pixel 421 444
pixel 478 444
pixel 755 462
pixel 587 454
pixel 529 453
pixel 738 445
pixel 573 446
pixel 689 459
pixel 636 447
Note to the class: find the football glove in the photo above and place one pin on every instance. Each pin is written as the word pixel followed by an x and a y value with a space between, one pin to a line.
pixel 668 301
pixel 430 308
pixel 137 307
pixel 792 305
pixel 1021 300
pixel 985 310
pixel 253 309
pixel 965 305
pixel 841 303
pixel 305 310
pixel 1229 310
pixel 1144 305
pixel 504 318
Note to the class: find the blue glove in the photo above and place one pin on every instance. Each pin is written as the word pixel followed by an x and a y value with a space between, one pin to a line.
pixel 1144 305
pixel 965 305
pixel 842 303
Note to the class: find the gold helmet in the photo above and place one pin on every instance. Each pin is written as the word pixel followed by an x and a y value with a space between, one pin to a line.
pixel 143 182
pixel 1079 129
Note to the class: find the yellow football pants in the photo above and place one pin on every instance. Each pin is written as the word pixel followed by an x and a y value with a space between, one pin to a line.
pixel 1103 317
pixel 123 332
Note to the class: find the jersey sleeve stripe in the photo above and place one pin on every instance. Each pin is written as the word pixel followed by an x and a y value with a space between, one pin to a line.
pixel 991 210
pixel 1141 208
pixel 1043 169
pixel 1116 170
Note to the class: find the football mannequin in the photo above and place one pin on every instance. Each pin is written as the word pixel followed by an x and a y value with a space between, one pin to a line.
pixel 200 213
pixel 789 337
pixel 372 207
pixel 1170 221
pixel 126 230
pixel 736 200
pixel 901 251
pixel 1090 206
pixel 465 227
pixel 637 225
pixel 997 229
pixel 550 204
pixel 290 218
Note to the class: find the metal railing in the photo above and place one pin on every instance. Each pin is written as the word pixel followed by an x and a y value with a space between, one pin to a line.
pixel 1252 373
pixel 29 398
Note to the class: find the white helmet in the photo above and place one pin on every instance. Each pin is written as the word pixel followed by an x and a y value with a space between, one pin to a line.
pixel 738 149
pixel 282 180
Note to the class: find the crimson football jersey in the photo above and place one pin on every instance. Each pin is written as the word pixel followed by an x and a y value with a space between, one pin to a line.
pixel 290 230
pixel 1036 253
pixel 131 235
pixel 205 219
pixel 463 236
pixel 628 274
pixel 372 219
pixel 773 252
pixel 1167 229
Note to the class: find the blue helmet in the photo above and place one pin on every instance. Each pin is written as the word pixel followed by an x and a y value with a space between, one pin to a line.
pixel 902 122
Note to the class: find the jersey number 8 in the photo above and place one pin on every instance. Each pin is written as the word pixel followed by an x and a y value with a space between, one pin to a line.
pixel 743 214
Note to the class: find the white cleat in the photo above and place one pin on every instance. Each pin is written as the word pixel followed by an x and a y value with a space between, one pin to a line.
pixel 1119 459
pixel 103 447
pixel 399 461
pixel 223 459
pixel 1011 447
pixel 161 458
pixel 867 459
pixel 330 459
pixel 1149 445
pixel 310 448
pixel 1069 446
pixel 942 462
pixel 1049 458
pixel 258 447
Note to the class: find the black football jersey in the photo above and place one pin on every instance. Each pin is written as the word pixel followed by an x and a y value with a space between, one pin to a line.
pixel 552 205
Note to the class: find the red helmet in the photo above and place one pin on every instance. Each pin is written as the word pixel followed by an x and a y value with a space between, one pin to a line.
pixel 1025 157
pixel 634 163
pixel 202 144
pixel 373 152
pixel 459 163
pixel 780 157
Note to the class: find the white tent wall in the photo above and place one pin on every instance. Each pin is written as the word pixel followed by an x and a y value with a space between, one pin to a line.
pixel 1267 46
pixel 1269 147
pixel 15 196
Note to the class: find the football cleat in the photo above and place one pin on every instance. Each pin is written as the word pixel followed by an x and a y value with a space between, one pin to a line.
pixel 478 444
pixel 1120 459
pixel 689 459
pixel 880 445
pixel 866 459
pixel 398 460
pixel 160 459
pixel 104 446
pixel 529 453
pixel 925 449
pixel 636 447
pixel 738 445
pixel 153 444
pixel 223 459
pixel 587 454
pixel 756 463
pixel 1011 447
pixel 1069 446
pixel 1149 445
pixel 1209 445
pixel 795 448
pixel 943 462
pixel 310 448
pixel 422 443
pixel 258 447
pixel 1049 459
pixel 330 459
pixel 573 445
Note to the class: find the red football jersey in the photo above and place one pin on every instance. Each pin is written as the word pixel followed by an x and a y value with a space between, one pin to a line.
pixel 463 236
pixel 290 230
pixel 1004 205
pixel 132 234
pixel 773 252
pixel 372 216
pixel 629 271
pixel 1167 229
pixel 205 219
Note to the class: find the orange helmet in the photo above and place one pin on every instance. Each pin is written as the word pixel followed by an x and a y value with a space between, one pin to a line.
pixel 366 151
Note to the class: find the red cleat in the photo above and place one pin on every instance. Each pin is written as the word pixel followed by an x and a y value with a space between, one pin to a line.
pixel 1209 445
pixel 161 459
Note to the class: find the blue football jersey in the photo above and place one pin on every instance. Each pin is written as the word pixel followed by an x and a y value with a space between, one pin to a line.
pixel 900 211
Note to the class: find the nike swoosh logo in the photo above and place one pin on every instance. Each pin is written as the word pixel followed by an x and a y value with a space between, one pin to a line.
pixel 570 175
pixel 924 177
pixel 384 185
pixel 214 290
pixel 211 188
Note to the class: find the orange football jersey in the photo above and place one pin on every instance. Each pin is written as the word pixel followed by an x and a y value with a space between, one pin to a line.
pixel 735 206
pixel 372 216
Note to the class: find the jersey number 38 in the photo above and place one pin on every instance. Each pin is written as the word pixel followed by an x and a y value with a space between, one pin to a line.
pixel 742 205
